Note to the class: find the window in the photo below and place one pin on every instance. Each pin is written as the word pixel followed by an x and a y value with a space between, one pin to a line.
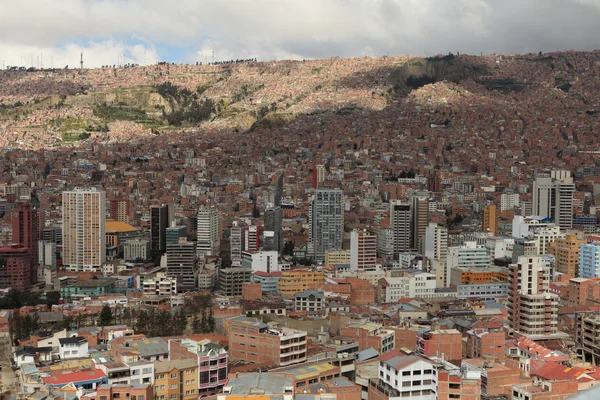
pixel 427 382
pixel 416 372
pixel 173 396
pixel 174 375
pixel 147 371
pixel 405 384
pixel 416 383
pixel 405 394
pixel 102 397
pixel 405 373
pixel 141 397
pixel 173 386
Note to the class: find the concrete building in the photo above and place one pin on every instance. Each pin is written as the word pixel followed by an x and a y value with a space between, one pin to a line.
pixel 553 198
pixel 363 251
pixel 299 280
pixel 400 224
pixel 120 209
pixel 310 301
pixel 419 219
pixel 486 342
pixel 253 341
pixel 237 235
pixel 326 222
pixel 182 264
pixel 273 226
pixel 174 233
pixel 137 250
pixel 589 260
pixel 268 281
pixel 252 238
pixel 411 284
pixel 509 201
pixel 73 347
pixel 442 343
pixel 566 254
pixel 485 291
pixel 46 254
pixel 400 376
pixel 161 285
pixel 231 279
pixel 337 258
pixel 84 236
pixel 385 244
pixel 490 219
pixel 436 242
pixel 265 261
pixel 469 255
pixel 208 243
pixel 176 379
pixel 15 268
pixel 532 309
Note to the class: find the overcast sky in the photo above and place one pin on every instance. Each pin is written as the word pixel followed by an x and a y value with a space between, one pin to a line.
pixel 146 31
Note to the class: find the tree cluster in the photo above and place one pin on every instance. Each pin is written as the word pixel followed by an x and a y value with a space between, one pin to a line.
pixel 22 327
pixel 160 323
pixel 15 299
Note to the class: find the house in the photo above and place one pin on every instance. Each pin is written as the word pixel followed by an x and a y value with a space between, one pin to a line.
pixel 32 355
pixel 73 347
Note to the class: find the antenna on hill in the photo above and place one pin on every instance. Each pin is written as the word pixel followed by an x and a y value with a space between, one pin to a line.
pixel 81 62
pixel 213 56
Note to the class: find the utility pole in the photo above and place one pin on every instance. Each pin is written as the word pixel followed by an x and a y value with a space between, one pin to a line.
pixel 81 63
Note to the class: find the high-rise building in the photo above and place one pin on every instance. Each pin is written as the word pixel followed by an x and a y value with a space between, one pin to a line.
pixel 46 254
pixel 160 219
pixel 16 268
pixel 385 243
pixel 273 233
pixel 419 219
pixel 318 176
pixel 252 238
pixel 26 231
pixel 363 251
pixel 326 221
pixel 532 309
pixel 553 198
pixel 209 243
pixel 490 219
pixel 237 235
pixel 434 181
pixel 436 242
pixel 84 236
pixel 120 209
pixel 182 264
pixel 175 232
pixel 589 260
pixel 566 254
pixel 509 200
pixel 400 224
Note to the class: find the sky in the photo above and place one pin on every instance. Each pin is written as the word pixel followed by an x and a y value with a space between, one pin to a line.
pixel 55 32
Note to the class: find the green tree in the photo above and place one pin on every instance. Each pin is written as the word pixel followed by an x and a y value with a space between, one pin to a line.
pixel 211 323
pixel 106 316
pixel 204 322
pixel 196 326
pixel 52 298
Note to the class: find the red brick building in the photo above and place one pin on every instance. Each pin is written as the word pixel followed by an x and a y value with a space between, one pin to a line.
pixel 17 269
pixel 443 343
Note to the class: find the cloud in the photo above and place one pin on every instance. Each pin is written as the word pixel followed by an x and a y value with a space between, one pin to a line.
pixel 275 29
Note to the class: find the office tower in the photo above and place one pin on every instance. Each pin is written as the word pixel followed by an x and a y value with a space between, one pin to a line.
pixel 553 198
pixel 182 264
pixel 26 230
pixel 318 176
pixel 436 242
pixel 16 266
pixel 273 233
pixel 326 221
pixel 120 209
pixel 252 238
pixel 209 243
pixel 589 260
pixel 434 181
pixel 566 254
pixel 84 236
pixel 469 255
pixel 160 219
pixel 419 219
pixel 532 309
pixel 363 251
pixel 46 254
pixel 136 250
pixel 400 224
pixel 52 234
pixel 237 235
pixel 509 200
pixel 489 222
pixel 385 244
pixel 175 232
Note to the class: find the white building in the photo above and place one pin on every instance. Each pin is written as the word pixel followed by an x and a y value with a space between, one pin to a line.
pixel 265 261
pixel 508 201
pixel 412 376
pixel 553 198
pixel 436 242
pixel 136 250
pixel 46 253
pixel 208 231
pixel 410 284
pixel 84 236
pixel 73 347
pixel 141 372
pixel 161 285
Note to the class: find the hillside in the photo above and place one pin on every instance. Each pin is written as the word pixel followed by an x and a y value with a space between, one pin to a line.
pixel 44 109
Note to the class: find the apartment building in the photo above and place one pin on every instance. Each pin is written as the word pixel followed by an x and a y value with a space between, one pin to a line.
pixel 566 254
pixel 254 341
pixel 299 280
pixel 176 379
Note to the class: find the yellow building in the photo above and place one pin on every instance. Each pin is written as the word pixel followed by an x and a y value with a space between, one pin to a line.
pixel 566 254
pixel 490 219
pixel 337 257
pixel 176 379
pixel 114 229
pixel 299 280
